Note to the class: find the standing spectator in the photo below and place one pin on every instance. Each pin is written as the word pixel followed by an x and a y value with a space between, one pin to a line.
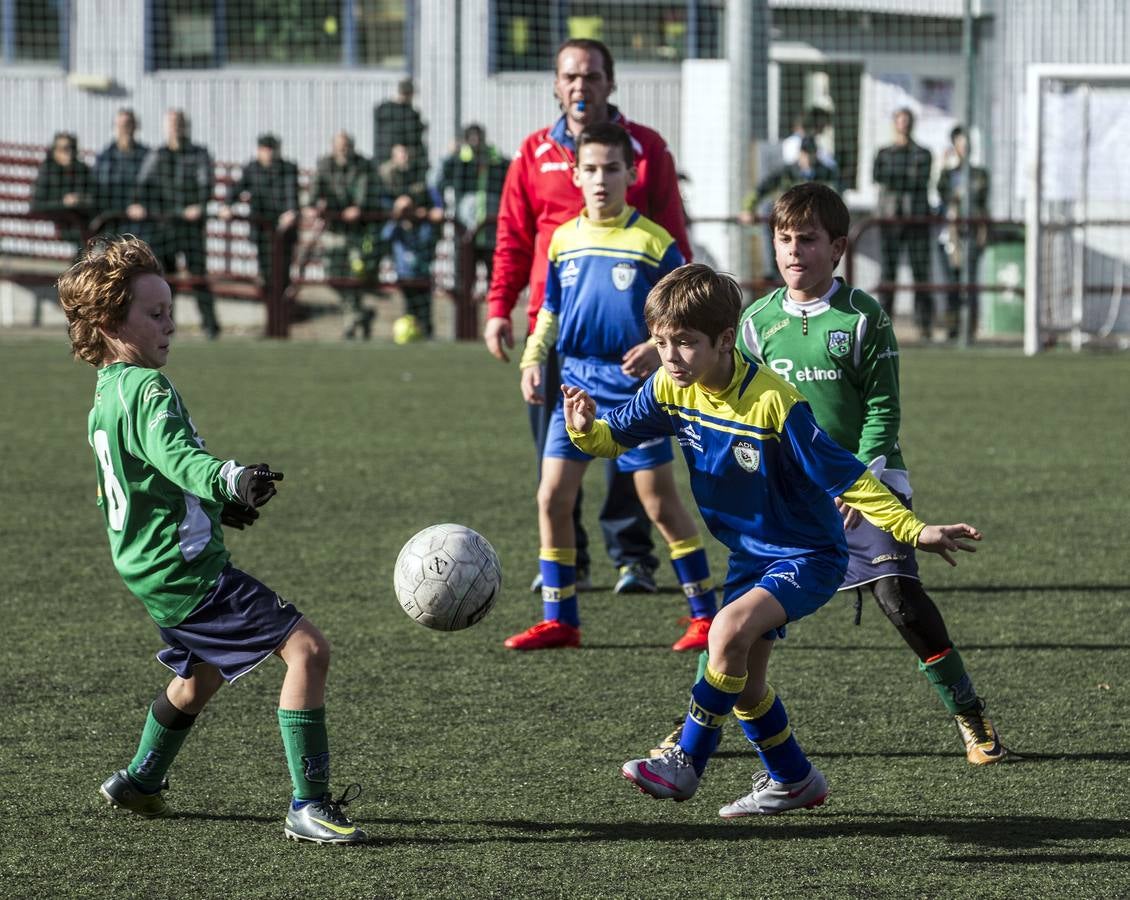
pixel 269 184
pixel 399 122
pixel 116 172
pixel 64 188
pixel 411 231
pixel 956 240
pixel 340 196
pixel 174 186
pixel 807 167
pixel 812 124
pixel 902 171
pixel 538 195
pixel 474 174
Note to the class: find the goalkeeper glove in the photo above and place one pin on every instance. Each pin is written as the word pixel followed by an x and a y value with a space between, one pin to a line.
pixel 255 484
pixel 236 515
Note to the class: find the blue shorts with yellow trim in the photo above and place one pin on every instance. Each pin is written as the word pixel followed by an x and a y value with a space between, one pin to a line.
pixel 877 554
pixel 610 388
pixel 801 584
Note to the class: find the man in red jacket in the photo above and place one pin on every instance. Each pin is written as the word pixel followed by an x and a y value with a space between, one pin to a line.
pixel 539 195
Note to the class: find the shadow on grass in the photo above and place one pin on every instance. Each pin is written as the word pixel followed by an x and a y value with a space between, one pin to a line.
pixel 1007 833
pixel 1030 588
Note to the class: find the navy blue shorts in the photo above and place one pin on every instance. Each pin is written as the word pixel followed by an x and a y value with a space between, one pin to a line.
pixel 801 585
pixel 876 554
pixel 237 625
pixel 609 387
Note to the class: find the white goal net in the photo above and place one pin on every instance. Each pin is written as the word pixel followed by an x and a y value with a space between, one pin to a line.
pixel 1078 211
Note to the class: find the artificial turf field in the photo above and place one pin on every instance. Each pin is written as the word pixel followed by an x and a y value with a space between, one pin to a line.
pixel 488 773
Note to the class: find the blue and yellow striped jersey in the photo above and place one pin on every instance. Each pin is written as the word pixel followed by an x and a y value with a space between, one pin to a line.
pixel 600 273
pixel 762 471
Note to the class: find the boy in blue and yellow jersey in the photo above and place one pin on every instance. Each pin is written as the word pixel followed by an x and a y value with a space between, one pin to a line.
pixel 835 344
pixel 601 266
pixel 164 499
pixel 765 477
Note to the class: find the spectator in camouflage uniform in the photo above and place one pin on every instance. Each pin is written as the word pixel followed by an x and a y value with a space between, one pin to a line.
pixel 175 184
pixel 64 188
pixel 269 185
pixel 474 175
pixel 902 172
pixel 116 172
pixel 340 195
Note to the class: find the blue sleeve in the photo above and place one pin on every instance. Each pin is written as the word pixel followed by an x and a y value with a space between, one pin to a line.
pixel 672 259
pixel 551 300
pixel 641 418
pixel 825 462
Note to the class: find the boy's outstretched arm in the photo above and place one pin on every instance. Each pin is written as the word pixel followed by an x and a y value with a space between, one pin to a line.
pixel 942 539
pixel 580 409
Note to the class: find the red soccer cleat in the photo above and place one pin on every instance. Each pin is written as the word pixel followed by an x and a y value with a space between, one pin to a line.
pixel 695 636
pixel 545 636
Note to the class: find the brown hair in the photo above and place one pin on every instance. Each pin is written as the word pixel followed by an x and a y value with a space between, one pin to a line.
pixel 811 203
pixel 608 134
pixel 96 291
pixel 694 296
pixel 589 45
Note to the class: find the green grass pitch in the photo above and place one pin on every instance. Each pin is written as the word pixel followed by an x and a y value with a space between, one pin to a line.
pixel 493 774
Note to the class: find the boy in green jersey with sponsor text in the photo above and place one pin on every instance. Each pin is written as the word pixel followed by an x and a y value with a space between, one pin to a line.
pixel 164 499
pixel 836 345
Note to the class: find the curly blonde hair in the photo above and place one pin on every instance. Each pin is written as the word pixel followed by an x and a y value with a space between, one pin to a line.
pixel 96 291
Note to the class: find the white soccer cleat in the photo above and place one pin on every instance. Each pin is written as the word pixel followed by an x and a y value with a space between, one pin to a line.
pixel 769 797
pixel 670 776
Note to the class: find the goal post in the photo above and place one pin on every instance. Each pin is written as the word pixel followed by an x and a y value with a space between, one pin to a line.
pixel 1077 251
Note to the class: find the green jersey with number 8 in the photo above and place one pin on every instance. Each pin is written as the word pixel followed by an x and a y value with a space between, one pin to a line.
pixel 160 491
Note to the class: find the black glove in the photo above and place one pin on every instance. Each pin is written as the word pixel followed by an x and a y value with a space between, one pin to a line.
pixel 255 485
pixel 236 515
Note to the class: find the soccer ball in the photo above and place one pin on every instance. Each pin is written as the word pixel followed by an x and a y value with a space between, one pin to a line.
pixel 405 330
pixel 447 577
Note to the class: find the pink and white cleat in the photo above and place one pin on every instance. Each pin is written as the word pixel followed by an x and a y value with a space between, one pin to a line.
pixel 770 797
pixel 670 776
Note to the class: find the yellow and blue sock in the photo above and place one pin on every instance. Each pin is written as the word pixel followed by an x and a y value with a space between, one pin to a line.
pixel 767 727
pixel 712 698
pixel 946 672
pixel 559 585
pixel 688 559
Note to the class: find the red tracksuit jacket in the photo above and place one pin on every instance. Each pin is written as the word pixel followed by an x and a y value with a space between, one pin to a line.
pixel 539 194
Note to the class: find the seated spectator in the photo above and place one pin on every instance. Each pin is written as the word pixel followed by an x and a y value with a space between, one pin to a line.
pixel 64 188
pixel 340 195
pixel 412 230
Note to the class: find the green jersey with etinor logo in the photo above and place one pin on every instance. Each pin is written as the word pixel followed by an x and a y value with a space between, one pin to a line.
pixel 160 491
pixel 840 352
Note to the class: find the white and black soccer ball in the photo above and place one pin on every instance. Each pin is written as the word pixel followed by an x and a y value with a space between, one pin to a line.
pixel 447 577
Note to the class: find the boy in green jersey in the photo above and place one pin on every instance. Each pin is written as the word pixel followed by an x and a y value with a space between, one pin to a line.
pixel 836 345
pixel 164 499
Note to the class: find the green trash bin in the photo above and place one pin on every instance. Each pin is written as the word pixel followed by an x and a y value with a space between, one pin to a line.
pixel 1002 311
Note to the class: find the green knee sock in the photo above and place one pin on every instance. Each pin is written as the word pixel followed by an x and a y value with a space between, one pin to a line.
pixel 703 659
pixel 946 672
pixel 157 749
pixel 307 751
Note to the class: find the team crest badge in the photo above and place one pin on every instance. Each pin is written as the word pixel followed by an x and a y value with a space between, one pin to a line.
pixel 623 274
pixel 839 343
pixel 748 456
